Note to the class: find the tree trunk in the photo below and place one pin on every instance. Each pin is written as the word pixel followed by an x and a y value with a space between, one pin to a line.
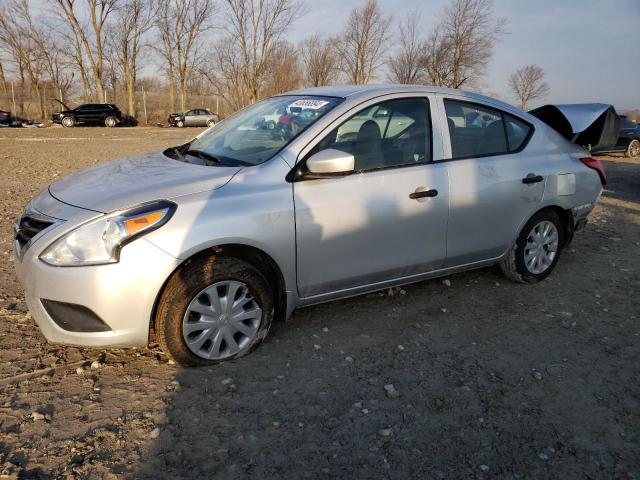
pixel 130 86
pixel 172 90
pixel 3 80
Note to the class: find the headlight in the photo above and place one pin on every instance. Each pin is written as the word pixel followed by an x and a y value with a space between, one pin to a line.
pixel 99 241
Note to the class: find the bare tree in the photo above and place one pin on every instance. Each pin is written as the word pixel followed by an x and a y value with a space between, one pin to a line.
pixel 363 42
pixel 320 60
pixel 284 72
pixel 407 64
pixel 257 26
pixel 93 45
pixel 461 44
pixel 132 21
pixel 15 39
pixel 181 24
pixel 528 84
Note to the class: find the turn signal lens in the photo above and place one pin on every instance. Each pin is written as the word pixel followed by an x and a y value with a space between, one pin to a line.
pixel 135 224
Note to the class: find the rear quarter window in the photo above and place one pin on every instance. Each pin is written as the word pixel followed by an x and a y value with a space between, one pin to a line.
pixel 517 132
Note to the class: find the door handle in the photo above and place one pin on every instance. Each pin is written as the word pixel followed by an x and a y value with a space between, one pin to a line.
pixel 531 178
pixel 423 193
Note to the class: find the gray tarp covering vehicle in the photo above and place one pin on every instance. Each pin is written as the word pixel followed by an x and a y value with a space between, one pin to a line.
pixel 593 126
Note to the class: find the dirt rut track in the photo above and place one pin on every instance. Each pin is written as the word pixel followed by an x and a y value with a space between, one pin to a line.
pixel 495 379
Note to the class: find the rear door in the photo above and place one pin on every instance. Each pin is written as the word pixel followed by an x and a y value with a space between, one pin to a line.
pixel 191 118
pixel 386 221
pixel 494 182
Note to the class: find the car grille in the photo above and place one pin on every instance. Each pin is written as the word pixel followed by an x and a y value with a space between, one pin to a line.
pixel 30 225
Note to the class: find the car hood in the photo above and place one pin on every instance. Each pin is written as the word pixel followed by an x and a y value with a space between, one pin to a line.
pixel 130 181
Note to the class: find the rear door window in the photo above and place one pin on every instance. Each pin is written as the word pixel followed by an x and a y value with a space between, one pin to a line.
pixel 475 130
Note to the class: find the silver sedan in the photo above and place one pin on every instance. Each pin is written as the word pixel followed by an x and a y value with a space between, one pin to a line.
pixel 304 197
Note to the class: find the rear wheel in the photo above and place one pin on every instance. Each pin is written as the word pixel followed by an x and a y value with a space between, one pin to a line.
pixel 68 122
pixel 110 122
pixel 537 249
pixel 213 309
pixel 633 150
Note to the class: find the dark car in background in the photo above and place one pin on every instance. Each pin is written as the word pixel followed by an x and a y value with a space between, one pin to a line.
pixel 628 140
pixel 106 114
pixel 196 117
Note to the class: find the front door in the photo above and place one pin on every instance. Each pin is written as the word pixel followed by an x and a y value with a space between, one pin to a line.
pixel 386 221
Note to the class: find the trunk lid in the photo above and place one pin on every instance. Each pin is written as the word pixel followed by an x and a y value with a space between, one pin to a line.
pixel 130 181
pixel 593 126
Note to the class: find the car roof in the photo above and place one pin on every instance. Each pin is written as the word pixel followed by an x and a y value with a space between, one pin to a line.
pixel 364 92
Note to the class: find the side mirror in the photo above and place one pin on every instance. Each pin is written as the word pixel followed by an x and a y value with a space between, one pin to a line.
pixel 330 162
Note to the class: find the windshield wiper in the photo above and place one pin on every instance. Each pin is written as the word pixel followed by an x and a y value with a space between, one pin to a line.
pixel 203 156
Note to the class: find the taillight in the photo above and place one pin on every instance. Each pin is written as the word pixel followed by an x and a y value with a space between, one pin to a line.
pixel 597 166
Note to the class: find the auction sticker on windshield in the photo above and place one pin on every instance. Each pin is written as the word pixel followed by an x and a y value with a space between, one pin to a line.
pixel 309 103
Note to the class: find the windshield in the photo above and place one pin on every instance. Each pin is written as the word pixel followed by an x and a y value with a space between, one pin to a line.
pixel 257 133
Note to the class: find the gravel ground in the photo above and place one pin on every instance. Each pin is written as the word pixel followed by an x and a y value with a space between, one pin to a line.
pixel 473 377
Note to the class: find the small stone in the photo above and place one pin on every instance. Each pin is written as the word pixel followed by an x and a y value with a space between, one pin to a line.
pixel 391 391
pixel 227 381
pixel 443 310
pixel 349 359
pixel 357 405
pixel 446 282
pixel 155 433
pixel 484 468
pixel 96 364
pixel 543 456
pixel 497 284
pixel 37 416
pixel 598 295
pixel 537 375
pixel 300 424
pixel 317 347
pixel 276 424
pixel 79 370
pixel 171 362
pixel 365 410
pixel 385 432
pixel 403 292
pixel 401 348
pixel 325 329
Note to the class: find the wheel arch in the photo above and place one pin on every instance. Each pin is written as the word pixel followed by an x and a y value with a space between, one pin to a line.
pixel 250 254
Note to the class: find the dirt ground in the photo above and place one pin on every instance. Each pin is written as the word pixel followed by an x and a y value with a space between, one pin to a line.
pixel 495 379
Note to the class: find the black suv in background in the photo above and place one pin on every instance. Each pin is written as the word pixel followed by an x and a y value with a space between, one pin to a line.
pixel 105 114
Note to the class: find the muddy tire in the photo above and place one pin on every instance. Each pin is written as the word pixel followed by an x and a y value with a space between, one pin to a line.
pixel 536 250
pixel 110 122
pixel 213 309
pixel 633 149
pixel 68 122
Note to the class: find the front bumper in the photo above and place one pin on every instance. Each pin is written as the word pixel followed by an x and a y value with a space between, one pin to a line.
pixel 122 294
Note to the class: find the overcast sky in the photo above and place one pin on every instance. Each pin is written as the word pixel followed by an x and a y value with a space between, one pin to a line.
pixel 589 49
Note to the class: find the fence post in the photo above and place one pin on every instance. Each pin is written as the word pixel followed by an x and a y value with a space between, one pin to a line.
pixel 13 96
pixel 144 103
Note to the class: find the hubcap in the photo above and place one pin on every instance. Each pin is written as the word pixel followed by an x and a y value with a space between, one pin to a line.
pixel 110 122
pixel 541 247
pixel 221 320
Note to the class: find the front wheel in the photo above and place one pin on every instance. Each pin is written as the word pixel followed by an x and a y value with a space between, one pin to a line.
pixel 210 123
pixel 213 309
pixel 68 122
pixel 633 150
pixel 536 251
pixel 179 124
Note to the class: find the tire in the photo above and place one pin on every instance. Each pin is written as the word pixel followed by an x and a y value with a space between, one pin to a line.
pixel 180 124
pixel 517 264
pixel 210 123
pixel 68 122
pixel 177 322
pixel 110 122
pixel 633 149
